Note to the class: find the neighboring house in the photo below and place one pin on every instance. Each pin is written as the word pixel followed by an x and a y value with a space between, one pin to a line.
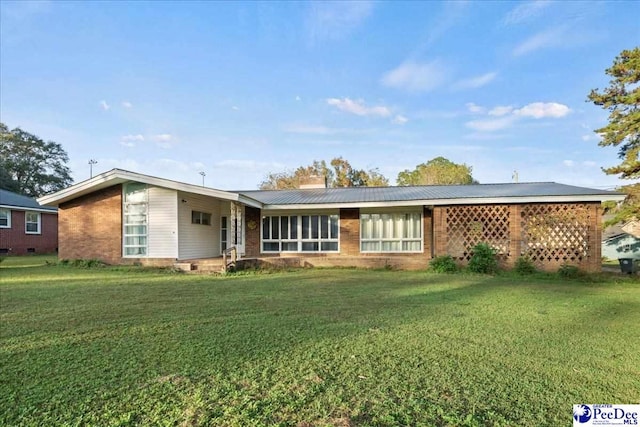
pixel 617 242
pixel 26 226
pixel 125 217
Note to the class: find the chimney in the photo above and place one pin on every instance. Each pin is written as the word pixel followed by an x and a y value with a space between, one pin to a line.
pixel 313 181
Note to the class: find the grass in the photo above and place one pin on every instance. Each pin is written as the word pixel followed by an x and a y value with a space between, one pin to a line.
pixel 125 346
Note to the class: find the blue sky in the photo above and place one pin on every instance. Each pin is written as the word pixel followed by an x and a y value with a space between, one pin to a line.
pixel 238 90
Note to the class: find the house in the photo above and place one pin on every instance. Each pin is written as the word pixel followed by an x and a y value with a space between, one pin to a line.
pixel 126 217
pixel 26 226
pixel 618 241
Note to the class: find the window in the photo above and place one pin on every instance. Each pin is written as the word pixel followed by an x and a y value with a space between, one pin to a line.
pixel 135 220
pixel 300 233
pixel 32 222
pixel 391 232
pixel 202 218
pixel 5 218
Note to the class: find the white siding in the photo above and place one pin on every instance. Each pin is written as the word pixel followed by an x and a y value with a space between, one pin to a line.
pixel 196 240
pixel 163 223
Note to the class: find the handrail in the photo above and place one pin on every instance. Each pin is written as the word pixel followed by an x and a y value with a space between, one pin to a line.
pixel 229 258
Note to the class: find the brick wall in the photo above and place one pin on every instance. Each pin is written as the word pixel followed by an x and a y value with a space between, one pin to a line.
pixel 16 242
pixel 252 237
pixel 90 227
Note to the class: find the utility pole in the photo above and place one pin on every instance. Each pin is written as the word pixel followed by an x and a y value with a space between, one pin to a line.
pixel 91 163
pixel 203 175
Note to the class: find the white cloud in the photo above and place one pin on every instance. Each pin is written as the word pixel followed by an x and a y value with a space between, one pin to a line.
pixel 298 98
pixel 589 163
pixel 568 163
pixel 235 108
pixel 127 104
pixel 400 119
pixel 163 137
pixel 336 20
pixel 475 108
pixel 132 138
pixel 127 144
pixel 358 107
pixel 591 137
pixel 163 140
pixel 525 12
pixel 539 110
pixel 501 110
pixel 416 77
pixel 104 105
pixel 475 82
pixel 490 125
pixel 507 115
pixel 552 37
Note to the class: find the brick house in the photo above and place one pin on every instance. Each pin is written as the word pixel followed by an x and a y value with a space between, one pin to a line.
pixel 125 217
pixel 26 226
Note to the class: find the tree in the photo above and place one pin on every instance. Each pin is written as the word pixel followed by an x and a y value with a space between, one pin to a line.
pixel 341 174
pixel 31 166
pixel 437 171
pixel 622 100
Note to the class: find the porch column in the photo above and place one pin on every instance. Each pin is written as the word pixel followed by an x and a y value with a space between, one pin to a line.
pixel 236 226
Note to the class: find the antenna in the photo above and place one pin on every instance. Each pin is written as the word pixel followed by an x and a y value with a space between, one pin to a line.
pixel 91 163
pixel 514 176
pixel 203 175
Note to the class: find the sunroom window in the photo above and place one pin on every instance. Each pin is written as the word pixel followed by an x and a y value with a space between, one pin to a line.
pixel 135 208
pixel 391 232
pixel 300 233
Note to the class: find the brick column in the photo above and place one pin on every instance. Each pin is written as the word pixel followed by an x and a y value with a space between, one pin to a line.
pixel 515 234
pixel 427 233
pixel 439 231
pixel 594 259
pixel 252 234
pixel 350 232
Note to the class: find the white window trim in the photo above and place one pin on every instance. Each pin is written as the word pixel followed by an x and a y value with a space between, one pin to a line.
pixel 400 239
pixel 39 223
pixel 300 240
pixel 8 211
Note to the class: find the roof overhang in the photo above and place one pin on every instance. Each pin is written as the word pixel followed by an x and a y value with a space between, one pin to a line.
pixel 119 176
pixel 455 201
pixel 26 208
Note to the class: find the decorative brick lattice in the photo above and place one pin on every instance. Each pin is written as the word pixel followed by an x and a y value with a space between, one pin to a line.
pixel 555 233
pixel 469 225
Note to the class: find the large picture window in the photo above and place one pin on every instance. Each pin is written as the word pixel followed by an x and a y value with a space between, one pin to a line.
pixel 32 222
pixel 391 232
pixel 135 208
pixel 5 218
pixel 300 233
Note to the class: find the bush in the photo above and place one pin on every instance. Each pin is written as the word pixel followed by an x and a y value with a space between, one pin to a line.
pixel 483 259
pixel 524 265
pixel 443 264
pixel 569 271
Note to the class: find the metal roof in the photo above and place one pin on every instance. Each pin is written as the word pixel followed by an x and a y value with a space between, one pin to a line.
pixel 434 193
pixel 9 199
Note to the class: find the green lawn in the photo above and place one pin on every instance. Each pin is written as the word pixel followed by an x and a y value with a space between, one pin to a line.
pixel 311 348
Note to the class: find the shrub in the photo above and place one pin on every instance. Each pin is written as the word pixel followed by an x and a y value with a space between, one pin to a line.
pixel 569 271
pixel 524 265
pixel 483 259
pixel 443 264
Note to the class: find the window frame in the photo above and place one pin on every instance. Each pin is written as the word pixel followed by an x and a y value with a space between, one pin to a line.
pixel 38 222
pixel 296 235
pixel 125 224
pixel 201 215
pixel 8 213
pixel 401 239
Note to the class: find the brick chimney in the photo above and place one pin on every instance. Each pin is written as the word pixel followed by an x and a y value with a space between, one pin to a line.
pixel 313 181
